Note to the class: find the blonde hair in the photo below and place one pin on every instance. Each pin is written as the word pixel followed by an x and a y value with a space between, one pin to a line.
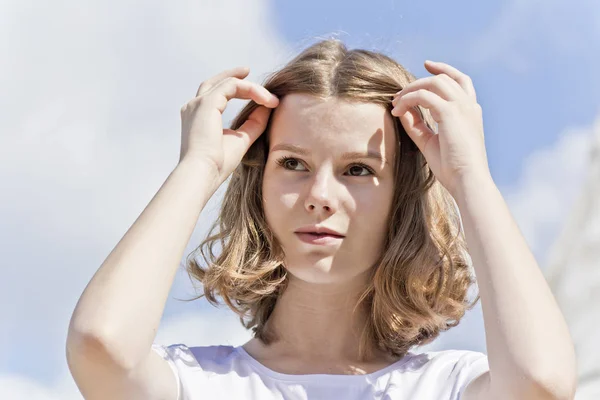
pixel 419 284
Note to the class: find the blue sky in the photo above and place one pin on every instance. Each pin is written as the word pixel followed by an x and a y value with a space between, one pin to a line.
pixel 524 109
pixel 91 95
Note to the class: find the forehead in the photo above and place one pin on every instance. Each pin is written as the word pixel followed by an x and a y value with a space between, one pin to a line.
pixel 313 123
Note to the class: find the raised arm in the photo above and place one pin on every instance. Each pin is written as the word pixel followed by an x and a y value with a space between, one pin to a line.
pixel 122 305
pixel 530 351
pixel 115 321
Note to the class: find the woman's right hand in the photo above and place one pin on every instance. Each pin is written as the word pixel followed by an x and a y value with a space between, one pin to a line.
pixel 202 135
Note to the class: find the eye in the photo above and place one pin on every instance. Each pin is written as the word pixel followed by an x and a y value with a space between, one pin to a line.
pixel 286 161
pixel 292 162
pixel 358 166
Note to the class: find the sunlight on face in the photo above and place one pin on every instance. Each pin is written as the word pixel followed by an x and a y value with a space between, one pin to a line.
pixel 330 164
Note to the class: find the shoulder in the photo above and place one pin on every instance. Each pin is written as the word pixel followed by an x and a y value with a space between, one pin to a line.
pixel 450 371
pixel 454 362
pixel 193 357
pixel 203 370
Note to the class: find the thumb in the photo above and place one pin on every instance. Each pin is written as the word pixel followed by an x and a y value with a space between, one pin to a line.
pixel 255 124
pixel 241 139
pixel 416 129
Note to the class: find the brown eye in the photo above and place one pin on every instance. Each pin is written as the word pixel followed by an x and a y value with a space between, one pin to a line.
pixel 358 168
pixel 286 161
pixel 290 163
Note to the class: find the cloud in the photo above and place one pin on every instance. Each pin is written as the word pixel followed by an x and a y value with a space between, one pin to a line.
pixel 540 201
pixel 16 387
pixel 556 205
pixel 525 26
pixel 574 273
pixel 90 130
pixel 199 329
pixel 212 327
pixel 551 180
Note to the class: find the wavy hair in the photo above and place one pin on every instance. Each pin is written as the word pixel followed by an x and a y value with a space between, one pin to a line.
pixel 419 284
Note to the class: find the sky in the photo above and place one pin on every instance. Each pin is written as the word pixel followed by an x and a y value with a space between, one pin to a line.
pixel 90 93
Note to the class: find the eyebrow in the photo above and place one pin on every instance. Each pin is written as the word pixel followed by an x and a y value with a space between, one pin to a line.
pixel 352 155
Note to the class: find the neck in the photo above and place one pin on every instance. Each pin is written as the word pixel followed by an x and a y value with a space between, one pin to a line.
pixel 319 321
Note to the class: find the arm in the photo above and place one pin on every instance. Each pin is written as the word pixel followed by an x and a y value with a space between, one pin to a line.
pixel 109 344
pixel 531 354
pixel 120 309
pixel 530 350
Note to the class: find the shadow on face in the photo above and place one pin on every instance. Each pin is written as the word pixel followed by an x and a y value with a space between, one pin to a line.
pixel 330 164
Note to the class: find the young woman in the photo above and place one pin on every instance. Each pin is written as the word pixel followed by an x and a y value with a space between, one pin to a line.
pixel 342 248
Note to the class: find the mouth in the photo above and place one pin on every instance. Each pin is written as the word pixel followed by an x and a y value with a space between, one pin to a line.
pixel 321 234
pixel 319 238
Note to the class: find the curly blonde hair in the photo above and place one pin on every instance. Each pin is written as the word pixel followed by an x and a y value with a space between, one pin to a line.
pixel 418 286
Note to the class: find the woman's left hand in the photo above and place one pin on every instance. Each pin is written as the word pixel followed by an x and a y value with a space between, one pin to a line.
pixel 457 152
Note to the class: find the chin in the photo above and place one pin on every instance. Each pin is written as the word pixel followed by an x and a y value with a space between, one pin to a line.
pixel 320 271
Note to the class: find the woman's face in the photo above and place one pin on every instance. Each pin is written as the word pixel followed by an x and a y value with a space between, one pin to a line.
pixel 313 178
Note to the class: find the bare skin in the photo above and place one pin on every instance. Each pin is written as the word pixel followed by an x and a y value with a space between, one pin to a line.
pixel 313 317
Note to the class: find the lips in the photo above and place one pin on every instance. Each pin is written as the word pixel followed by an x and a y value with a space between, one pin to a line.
pixel 319 231
pixel 319 239
pixel 322 234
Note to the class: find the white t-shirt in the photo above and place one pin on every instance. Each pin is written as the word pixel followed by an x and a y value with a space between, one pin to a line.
pixel 228 372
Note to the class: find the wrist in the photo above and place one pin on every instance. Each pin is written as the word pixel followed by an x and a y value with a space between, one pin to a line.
pixel 473 183
pixel 208 169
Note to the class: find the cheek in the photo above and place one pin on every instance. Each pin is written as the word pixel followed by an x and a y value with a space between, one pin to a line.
pixel 370 197
pixel 279 192
pixel 278 201
pixel 372 207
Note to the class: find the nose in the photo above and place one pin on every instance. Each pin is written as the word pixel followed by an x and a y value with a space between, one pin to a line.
pixel 321 194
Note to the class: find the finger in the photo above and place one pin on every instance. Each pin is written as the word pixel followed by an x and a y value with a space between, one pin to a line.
pixel 250 130
pixel 424 98
pixel 416 128
pixel 442 85
pixel 231 88
pixel 238 72
pixel 461 78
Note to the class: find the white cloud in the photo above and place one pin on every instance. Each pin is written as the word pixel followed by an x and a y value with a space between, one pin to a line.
pixel 560 193
pixel 213 327
pixel 540 201
pixel 15 387
pixel 551 180
pixel 524 26
pixel 198 329
pixel 90 129
pixel 574 274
